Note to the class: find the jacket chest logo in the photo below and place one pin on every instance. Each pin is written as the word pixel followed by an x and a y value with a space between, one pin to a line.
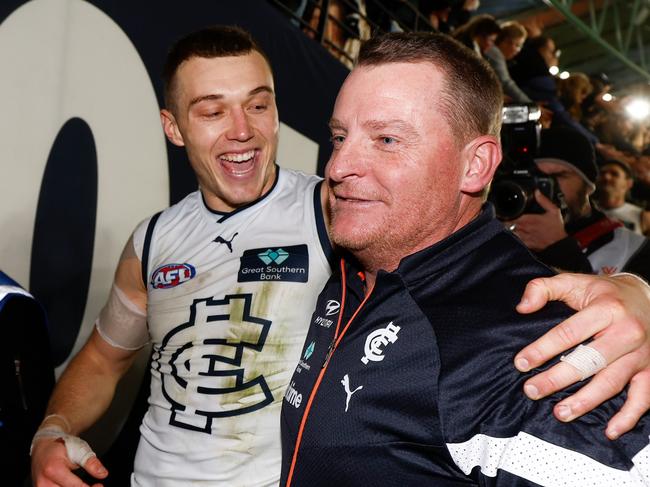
pixel 377 341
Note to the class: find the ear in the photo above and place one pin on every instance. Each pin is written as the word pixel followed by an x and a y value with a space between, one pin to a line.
pixel 482 157
pixel 170 126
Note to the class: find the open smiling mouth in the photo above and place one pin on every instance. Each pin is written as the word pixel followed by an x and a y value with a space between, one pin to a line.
pixel 239 164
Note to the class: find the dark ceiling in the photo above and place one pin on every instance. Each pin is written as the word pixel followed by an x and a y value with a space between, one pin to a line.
pixel 624 24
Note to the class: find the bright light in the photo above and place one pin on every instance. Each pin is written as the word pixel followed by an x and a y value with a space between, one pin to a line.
pixel 554 70
pixel 638 108
pixel 607 97
pixel 564 75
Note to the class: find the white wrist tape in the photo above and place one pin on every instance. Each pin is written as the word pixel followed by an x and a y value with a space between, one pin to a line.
pixel 586 360
pixel 60 418
pixel 78 451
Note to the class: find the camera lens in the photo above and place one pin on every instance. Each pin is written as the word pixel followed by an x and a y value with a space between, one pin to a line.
pixel 509 199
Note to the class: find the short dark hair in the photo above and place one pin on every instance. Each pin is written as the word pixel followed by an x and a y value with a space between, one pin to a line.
pixel 623 165
pixel 511 30
pixel 210 42
pixel 471 97
pixel 482 25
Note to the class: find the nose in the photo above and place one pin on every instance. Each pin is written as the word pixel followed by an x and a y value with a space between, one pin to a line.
pixel 345 162
pixel 240 128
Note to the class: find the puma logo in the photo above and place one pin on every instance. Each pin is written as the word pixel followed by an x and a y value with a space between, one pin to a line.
pixel 346 385
pixel 221 240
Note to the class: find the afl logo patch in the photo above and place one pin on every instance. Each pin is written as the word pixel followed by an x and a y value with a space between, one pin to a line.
pixel 171 275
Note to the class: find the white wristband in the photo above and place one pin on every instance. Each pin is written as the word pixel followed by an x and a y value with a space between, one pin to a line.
pixel 60 418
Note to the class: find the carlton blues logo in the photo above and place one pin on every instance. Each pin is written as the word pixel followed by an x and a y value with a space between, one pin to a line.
pixel 200 363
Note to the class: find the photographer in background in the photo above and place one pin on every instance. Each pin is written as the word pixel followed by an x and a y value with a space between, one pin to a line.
pixel 582 239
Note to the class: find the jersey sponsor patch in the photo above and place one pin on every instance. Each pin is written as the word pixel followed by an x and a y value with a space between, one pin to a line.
pixel 171 275
pixel 292 396
pixel 302 363
pixel 290 263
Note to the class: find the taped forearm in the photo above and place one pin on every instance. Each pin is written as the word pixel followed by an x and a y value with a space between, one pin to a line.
pixel 122 323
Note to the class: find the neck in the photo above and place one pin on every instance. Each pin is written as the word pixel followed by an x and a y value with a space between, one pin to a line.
pixel 387 256
pixel 611 201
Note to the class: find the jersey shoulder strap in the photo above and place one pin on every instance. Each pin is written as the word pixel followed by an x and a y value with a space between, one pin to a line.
pixel 145 247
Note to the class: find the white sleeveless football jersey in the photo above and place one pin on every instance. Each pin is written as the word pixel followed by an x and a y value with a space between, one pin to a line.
pixel 230 296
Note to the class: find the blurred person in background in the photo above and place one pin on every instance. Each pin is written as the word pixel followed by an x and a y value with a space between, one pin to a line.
pixel 582 239
pixel 508 43
pixel 461 12
pixel 573 91
pixel 479 34
pixel 530 70
pixel 615 180
pixel 437 12
pixel 594 105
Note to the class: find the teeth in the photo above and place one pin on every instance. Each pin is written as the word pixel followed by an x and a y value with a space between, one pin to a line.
pixel 238 157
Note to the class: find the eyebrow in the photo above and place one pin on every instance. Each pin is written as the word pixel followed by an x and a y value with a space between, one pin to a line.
pixel 335 124
pixel 379 125
pixel 213 97
pixel 401 125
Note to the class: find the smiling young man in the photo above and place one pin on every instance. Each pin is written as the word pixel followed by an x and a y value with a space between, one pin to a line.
pixel 231 277
pixel 223 284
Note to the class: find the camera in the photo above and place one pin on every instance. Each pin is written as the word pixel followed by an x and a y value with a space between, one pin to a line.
pixel 513 189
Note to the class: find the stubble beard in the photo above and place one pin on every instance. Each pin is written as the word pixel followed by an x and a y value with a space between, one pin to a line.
pixel 366 243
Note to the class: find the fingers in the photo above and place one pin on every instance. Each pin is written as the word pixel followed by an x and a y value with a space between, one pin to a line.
pixel 95 468
pixel 605 306
pixel 563 287
pixel 558 377
pixel 615 311
pixel 60 476
pixel 568 334
pixel 610 344
pixel 605 385
pixel 52 467
pixel 57 472
pixel 636 405
pixel 80 453
pixel 544 202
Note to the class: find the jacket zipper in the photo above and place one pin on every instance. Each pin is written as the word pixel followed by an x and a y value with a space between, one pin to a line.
pixel 330 351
